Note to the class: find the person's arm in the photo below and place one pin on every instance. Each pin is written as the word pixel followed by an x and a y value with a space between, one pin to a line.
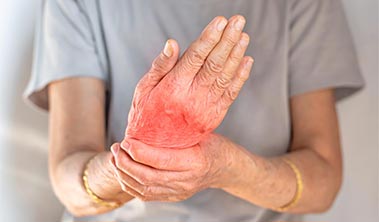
pixel 77 133
pixel 77 110
pixel 315 150
pixel 152 173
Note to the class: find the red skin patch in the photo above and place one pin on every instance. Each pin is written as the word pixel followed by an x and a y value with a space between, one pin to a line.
pixel 174 114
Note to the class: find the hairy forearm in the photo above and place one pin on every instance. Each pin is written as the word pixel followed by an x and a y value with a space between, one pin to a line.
pixel 271 183
pixel 68 183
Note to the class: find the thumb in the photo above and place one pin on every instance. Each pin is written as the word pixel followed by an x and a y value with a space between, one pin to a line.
pixel 163 63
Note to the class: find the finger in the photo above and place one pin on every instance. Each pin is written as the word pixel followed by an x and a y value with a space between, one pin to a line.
pixel 164 187
pixel 162 158
pixel 124 187
pixel 143 179
pixel 162 64
pixel 194 57
pixel 141 173
pixel 142 192
pixel 231 65
pixel 128 184
pixel 217 58
pixel 146 191
pixel 235 87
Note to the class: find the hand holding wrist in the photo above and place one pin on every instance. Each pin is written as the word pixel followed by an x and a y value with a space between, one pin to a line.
pixel 101 179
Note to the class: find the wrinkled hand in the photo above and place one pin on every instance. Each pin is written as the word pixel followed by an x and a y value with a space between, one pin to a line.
pixel 177 103
pixel 161 174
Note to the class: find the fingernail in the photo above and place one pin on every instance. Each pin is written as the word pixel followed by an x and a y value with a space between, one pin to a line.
pixel 249 62
pixel 114 150
pixel 221 24
pixel 238 25
pixel 167 51
pixel 244 41
pixel 125 145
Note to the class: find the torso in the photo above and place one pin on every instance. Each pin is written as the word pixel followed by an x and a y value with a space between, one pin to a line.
pixel 130 34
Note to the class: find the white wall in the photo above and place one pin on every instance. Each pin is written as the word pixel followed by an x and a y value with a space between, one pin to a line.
pixel 358 200
pixel 24 188
pixel 25 192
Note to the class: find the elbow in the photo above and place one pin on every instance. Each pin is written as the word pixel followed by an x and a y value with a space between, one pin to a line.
pixel 76 208
pixel 71 206
pixel 71 203
pixel 323 208
pixel 330 194
pixel 80 211
pixel 75 211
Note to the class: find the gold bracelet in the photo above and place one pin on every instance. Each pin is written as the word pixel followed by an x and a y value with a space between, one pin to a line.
pixel 96 199
pixel 299 189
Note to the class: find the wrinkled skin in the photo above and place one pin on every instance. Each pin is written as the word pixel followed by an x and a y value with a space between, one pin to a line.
pixel 177 103
pixel 174 114
pixel 160 174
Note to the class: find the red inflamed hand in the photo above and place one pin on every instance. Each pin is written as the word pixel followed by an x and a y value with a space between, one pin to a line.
pixel 179 101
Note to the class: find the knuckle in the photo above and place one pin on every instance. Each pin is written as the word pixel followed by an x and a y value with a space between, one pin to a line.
pixel 158 65
pixel 231 94
pixel 244 78
pixel 194 56
pixel 222 82
pixel 153 77
pixel 208 39
pixel 235 58
pixel 213 95
pixel 229 41
pixel 213 66
pixel 203 79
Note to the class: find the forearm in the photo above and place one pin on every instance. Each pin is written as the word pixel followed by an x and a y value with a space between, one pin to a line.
pixel 271 183
pixel 67 180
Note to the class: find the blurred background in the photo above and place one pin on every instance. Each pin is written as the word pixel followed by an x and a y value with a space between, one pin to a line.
pixel 26 194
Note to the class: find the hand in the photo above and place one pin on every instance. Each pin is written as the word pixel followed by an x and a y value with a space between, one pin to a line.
pixel 160 174
pixel 177 103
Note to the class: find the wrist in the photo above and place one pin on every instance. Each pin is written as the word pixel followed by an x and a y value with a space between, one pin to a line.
pixel 102 181
pixel 232 164
pixel 241 170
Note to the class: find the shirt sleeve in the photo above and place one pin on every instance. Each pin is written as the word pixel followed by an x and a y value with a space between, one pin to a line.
pixel 64 47
pixel 321 53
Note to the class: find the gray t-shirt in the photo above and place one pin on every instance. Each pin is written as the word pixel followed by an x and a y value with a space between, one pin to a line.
pixel 298 45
